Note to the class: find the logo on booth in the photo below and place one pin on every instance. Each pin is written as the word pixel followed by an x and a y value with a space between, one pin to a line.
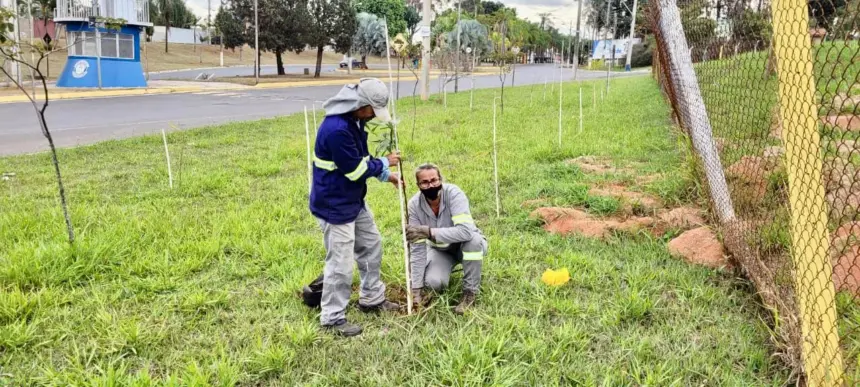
pixel 80 69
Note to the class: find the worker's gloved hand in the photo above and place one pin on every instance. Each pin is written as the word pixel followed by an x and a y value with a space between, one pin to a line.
pixel 416 233
pixel 393 158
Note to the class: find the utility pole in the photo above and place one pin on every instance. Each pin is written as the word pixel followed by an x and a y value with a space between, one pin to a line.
pixel 457 66
pixel 630 41
pixel 256 45
pixel 221 35
pixel 578 40
pixel 606 45
pixel 425 54
pixel 97 23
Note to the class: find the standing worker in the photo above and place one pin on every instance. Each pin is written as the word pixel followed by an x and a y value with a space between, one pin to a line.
pixel 442 234
pixel 342 165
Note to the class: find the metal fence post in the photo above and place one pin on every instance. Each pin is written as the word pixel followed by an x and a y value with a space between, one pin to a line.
pixel 822 358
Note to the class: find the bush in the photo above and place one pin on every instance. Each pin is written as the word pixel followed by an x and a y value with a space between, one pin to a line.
pixel 643 55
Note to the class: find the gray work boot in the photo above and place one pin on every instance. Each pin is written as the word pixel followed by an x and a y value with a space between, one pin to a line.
pixel 384 306
pixel 344 328
pixel 465 303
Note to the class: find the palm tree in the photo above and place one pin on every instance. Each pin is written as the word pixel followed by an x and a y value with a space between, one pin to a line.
pixel 166 8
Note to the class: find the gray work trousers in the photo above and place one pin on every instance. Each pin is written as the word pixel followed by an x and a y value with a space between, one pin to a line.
pixel 440 263
pixel 358 241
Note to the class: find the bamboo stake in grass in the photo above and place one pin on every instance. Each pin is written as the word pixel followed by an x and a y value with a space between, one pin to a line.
pixel 560 97
pixel 496 162
pixel 580 109
pixel 167 154
pixel 308 142
pixel 593 97
pixel 314 107
pixel 401 189
pixel 545 81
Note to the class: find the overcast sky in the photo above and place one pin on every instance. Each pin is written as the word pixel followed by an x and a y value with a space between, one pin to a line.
pixel 563 11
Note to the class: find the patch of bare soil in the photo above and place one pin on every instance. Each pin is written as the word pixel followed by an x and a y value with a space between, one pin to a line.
pixel 628 199
pixel 594 164
pixel 842 185
pixel 845 253
pixel 534 203
pixel 569 221
pixel 700 246
pixel 846 122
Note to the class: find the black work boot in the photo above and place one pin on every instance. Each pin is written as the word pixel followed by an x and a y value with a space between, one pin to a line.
pixel 344 328
pixel 466 302
pixel 384 306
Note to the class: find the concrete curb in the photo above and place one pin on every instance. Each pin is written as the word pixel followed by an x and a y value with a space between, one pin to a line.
pixel 177 90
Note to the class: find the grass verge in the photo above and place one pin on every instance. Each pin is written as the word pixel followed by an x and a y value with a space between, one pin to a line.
pixel 197 285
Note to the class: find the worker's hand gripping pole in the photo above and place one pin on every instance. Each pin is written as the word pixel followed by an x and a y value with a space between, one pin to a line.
pixel 401 189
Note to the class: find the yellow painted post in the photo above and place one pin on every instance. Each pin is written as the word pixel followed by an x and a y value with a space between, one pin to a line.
pixel 822 359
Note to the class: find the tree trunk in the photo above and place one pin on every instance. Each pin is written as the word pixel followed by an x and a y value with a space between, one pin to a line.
pixel 280 63
pixel 364 59
pixel 56 162
pixel 166 37
pixel 319 61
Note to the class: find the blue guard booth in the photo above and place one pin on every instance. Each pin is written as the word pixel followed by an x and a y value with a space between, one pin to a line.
pixel 120 49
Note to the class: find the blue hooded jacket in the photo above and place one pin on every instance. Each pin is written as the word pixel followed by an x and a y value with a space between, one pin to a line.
pixel 342 165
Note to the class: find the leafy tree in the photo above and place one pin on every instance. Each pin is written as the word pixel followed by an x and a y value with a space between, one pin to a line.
pixel 283 24
pixel 332 23
pixel 413 20
pixel 231 27
pixel 393 11
pixel 825 11
pixel 752 26
pixel 370 35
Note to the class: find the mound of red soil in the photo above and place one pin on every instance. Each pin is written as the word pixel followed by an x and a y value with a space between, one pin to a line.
pixel 700 246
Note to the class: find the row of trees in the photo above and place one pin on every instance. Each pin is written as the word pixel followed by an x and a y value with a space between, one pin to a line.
pixel 297 25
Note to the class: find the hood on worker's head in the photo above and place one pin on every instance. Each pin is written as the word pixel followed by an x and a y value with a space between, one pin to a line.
pixel 367 92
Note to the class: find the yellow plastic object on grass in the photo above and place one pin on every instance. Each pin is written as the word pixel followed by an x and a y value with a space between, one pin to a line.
pixel 555 277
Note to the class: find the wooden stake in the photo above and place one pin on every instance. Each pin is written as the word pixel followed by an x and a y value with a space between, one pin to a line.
pixel 314 107
pixel 308 142
pixel 496 162
pixel 580 109
pixel 167 154
pixel 401 189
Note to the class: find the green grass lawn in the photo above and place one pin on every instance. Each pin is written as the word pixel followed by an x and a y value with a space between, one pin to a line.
pixel 198 285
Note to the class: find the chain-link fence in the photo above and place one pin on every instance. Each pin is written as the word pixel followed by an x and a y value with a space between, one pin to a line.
pixel 769 96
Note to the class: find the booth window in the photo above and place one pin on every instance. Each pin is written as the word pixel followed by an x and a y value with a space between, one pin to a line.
pixel 114 45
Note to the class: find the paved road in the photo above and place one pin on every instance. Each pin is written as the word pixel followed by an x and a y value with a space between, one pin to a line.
pixel 248 71
pixel 86 121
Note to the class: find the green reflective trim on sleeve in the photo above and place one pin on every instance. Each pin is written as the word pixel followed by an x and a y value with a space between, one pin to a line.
pixel 438 245
pixel 476 256
pixel 359 171
pixel 462 219
pixel 420 241
pixel 324 164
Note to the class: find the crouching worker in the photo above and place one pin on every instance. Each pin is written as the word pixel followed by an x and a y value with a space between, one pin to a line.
pixel 442 234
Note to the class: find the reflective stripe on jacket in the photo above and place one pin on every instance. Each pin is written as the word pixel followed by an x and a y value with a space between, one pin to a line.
pixel 341 166
pixel 454 224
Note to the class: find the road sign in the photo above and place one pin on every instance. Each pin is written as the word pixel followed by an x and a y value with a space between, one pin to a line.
pixel 424 32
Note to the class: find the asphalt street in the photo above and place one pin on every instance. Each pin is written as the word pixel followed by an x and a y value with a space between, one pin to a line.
pixel 87 121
